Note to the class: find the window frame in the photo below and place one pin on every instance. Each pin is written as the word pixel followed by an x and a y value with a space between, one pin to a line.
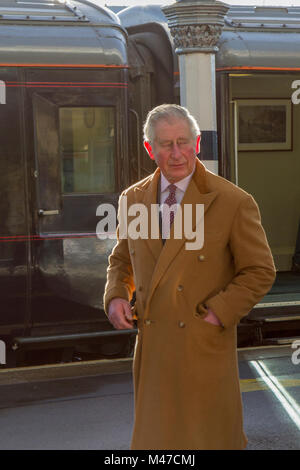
pixel 116 172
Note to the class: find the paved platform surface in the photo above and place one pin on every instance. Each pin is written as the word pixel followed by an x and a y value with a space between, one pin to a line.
pixel 87 408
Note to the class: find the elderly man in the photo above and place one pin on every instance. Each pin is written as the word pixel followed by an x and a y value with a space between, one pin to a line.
pixel 188 302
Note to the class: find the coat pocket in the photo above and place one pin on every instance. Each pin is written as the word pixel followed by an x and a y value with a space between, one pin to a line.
pixel 201 313
pixel 205 324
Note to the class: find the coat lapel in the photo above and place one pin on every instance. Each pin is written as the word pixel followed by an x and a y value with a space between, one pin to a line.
pixel 147 195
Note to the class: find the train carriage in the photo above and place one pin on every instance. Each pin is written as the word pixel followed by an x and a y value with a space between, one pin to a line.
pixel 77 81
pixel 63 153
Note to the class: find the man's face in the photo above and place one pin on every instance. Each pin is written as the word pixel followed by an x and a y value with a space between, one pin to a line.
pixel 174 149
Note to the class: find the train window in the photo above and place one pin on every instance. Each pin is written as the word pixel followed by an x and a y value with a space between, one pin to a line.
pixel 87 145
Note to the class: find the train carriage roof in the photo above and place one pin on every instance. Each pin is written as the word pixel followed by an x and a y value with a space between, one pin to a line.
pixel 49 32
pixel 258 37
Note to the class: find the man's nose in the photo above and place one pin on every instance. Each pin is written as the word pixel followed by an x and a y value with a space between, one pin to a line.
pixel 176 153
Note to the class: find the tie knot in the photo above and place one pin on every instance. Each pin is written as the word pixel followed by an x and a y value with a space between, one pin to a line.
pixel 172 189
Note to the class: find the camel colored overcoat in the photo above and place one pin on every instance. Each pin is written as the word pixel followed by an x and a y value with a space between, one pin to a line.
pixel 186 384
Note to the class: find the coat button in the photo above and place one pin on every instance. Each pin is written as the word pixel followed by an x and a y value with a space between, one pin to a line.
pixel 147 322
pixel 140 288
pixel 180 288
pixel 132 252
pixel 201 257
pixel 181 324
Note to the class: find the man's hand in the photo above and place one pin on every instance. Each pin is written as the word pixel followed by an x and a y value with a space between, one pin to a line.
pixel 212 318
pixel 119 314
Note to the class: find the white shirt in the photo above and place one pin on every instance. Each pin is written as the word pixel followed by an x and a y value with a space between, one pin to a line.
pixel 164 193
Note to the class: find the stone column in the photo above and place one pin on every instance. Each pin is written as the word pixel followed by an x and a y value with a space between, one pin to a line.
pixel 196 26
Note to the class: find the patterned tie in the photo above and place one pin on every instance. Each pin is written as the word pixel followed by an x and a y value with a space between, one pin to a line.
pixel 171 199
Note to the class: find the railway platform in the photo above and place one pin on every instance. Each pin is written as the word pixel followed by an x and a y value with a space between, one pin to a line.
pixel 89 406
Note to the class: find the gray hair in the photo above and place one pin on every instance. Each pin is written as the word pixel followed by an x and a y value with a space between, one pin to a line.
pixel 168 112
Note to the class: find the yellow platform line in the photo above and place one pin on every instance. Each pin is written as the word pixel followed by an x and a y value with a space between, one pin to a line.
pixel 19 375
pixel 105 367
pixel 252 385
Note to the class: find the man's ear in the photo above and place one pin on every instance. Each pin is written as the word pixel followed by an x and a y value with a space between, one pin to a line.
pixel 198 144
pixel 149 149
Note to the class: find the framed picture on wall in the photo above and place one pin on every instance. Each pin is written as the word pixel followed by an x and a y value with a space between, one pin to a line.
pixel 264 124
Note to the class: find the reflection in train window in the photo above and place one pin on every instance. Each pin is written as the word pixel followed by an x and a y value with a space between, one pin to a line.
pixel 87 143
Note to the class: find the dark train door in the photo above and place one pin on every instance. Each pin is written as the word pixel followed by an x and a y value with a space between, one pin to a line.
pixel 14 227
pixel 79 161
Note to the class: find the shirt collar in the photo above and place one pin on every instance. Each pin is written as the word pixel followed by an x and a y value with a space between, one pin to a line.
pixel 182 184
